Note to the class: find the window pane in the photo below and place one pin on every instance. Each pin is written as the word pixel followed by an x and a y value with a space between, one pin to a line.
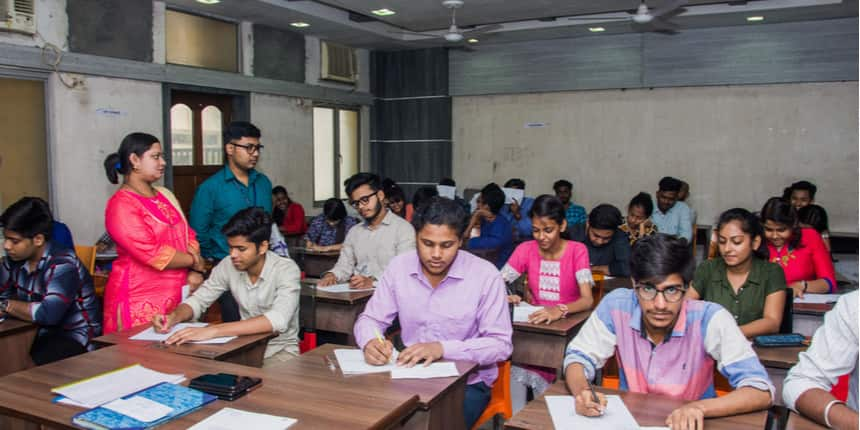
pixel 323 154
pixel 193 40
pixel 181 140
pixel 348 145
pixel 212 152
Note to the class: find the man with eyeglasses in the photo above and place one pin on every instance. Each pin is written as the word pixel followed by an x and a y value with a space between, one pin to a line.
pixel 369 246
pixel 235 187
pixel 666 345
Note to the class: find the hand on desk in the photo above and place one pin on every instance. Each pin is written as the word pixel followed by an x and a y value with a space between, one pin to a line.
pixel 377 353
pixel 192 334
pixel 586 406
pixel 358 282
pixel 687 417
pixel 514 299
pixel 327 279
pixel 546 315
pixel 412 355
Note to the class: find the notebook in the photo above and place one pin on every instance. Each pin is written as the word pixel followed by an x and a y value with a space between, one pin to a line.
pixel 145 409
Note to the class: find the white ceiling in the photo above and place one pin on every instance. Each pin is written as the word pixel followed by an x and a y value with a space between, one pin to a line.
pixel 330 19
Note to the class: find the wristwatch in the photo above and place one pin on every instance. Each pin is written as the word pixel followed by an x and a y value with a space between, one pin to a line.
pixel 4 304
pixel 564 309
pixel 805 286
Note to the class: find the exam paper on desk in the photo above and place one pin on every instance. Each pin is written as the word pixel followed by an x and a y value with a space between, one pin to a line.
pixel 231 419
pixel 151 335
pixel 100 389
pixel 616 416
pixel 523 310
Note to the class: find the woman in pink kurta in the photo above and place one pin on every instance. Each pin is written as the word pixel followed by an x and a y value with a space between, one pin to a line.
pixel 155 246
pixel 558 275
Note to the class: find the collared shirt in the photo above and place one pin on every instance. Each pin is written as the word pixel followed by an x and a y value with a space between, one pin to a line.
pixel 367 250
pixel 615 254
pixel 747 305
pixel 497 234
pixel 809 261
pixel 833 353
pixel 275 296
pixel 467 312
pixel 575 214
pixel 219 198
pixel 524 225
pixel 676 221
pixel 60 292
pixel 322 234
pixel 682 366
pixel 634 234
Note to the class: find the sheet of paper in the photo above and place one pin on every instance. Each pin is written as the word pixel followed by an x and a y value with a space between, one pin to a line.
pixel 100 389
pixel 443 369
pixel 523 310
pixel 343 288
pixel 151 335
pixel 653 428
pixel 616 416
pixel 512 194
pixel 139 408
pixel 231 419
pixel 186 291
pixel 447 191
pixel 351 362
pixel 817 298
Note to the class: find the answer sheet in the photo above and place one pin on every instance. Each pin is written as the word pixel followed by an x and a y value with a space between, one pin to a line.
pixel 231 419
pixel 151 335
pixel 817 298
pixel 343 288
pixel 523 310
pixel 351 362
pixel 100 389
pixel 615 416
pixel 442 369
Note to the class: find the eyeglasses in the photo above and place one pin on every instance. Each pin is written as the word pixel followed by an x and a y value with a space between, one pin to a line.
pixel 671 294
pixel 362 201
pixel 250 148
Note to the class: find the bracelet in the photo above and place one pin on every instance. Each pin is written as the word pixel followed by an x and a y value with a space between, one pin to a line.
pixel 805 285
pixel 827 411
pixel 202 273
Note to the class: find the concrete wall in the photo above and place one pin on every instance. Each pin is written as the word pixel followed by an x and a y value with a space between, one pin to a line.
pixel 736 145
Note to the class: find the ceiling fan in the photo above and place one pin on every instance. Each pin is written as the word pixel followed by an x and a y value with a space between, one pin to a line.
pixel 454 34
pixel 648 19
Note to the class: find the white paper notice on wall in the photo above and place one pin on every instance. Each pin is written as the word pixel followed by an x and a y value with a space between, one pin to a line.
pixel 536 124
pixel 110 112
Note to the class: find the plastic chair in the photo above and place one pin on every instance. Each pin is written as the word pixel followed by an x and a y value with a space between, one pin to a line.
pixel 87 255
pixel 500 398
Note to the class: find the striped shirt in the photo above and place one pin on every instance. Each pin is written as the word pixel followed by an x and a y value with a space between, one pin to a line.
pixel 682 366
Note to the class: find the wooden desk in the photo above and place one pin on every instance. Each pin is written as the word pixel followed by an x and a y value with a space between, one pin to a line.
pixel 440 399
pixel 781 357
pixel 648 410
pixel 314 263
pixel 544 344
pixel 807 317
pixel 315 398
pixel 246 350
pixel 16 338
pixel 334 312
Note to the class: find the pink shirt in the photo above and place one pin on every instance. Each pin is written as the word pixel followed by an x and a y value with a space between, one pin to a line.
pixel 809 261
pixel 551 282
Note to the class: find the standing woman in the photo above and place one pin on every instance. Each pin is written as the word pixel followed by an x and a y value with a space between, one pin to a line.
pixel 800 251
pixel 154 244
pixel 558 275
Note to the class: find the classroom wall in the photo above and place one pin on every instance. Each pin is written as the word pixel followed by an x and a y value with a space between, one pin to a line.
pixel 735 145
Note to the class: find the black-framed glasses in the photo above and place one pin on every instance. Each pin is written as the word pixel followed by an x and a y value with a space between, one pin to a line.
pixel 672 293
pixel 361 201
pixel 250 148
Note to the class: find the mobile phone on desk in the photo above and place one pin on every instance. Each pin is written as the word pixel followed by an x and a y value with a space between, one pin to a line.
pixel 225 386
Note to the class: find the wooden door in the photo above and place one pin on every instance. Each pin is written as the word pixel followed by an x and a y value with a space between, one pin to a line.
pixel 197 147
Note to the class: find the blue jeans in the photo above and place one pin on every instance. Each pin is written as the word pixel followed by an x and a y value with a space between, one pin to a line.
pixel 476 399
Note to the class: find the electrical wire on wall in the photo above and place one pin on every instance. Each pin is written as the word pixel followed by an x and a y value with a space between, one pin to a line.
pixel 49 49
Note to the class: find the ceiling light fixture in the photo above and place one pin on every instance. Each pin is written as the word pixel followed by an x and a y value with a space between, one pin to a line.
pixel 755 18
pixel 472 40
pixel 383 12
pixel 596 29
pixel 300 24
pixel 209 1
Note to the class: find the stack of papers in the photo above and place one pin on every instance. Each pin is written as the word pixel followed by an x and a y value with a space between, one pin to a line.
pixel 230 419
pixel 615 416
pixel 151 335
pixel 523 310
pixel 100 389
pixel 817 298
pixel 442 369
pixel 343 288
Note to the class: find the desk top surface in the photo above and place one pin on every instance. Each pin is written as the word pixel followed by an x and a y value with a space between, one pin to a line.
pixel 12 326
pixel 563 327
pixel 305 251
pixel 315 397
pixel 783 357
pixel 358 297
pixel 208 351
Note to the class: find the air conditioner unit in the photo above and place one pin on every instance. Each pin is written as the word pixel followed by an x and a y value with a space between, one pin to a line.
pixel 338 63
pixel 18 16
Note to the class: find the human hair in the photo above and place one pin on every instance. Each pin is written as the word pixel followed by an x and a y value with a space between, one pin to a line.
pixel 334 210
pixel 493 196
pixel 814 216
pixel 644 201
pixel 236 130
pixel 670 184
pixel 516 183
pixel 29 216
pixel 605 217
pixel 782 212
pixel 118 162
pixel 252 223
pixel 422 195
pixel 440 211
pixel 804 186
pixel 750 225
pixel 562 183
pixel 548 206
pixel 449 182
pixel 654 258
pixel 362 178
pixel 279 189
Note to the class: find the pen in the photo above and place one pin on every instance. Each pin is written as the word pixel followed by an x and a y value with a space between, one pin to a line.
pixel 379 337
pixel 594 395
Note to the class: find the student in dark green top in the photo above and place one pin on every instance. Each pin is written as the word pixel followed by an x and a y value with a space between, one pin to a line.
pixel 741 279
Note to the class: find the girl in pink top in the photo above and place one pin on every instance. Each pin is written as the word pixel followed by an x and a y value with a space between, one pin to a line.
pixel 799 251
pixel 154 244
pixel 558 275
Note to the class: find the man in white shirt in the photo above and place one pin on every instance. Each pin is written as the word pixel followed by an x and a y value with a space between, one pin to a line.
pixel 672 216
pixel 833 353
pixel 266 288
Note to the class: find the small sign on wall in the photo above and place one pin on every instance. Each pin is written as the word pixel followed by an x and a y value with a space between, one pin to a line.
pixel 537 124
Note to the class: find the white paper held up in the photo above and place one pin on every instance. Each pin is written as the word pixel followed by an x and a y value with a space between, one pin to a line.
pixel 512 194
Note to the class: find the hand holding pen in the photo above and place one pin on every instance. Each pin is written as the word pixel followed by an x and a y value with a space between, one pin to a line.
pixel 590 403
pixel 361 280
pixel 379 351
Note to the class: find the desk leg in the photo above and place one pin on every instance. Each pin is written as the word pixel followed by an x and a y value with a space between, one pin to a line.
pixel 446 413
pixel 16 351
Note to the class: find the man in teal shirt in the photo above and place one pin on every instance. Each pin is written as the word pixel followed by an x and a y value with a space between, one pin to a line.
pixel 235 187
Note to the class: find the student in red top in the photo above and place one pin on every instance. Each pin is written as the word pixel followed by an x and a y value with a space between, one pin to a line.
pixel 289 215
pixel 800 251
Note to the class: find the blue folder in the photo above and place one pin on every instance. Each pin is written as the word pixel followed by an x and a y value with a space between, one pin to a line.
pixel 181 399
